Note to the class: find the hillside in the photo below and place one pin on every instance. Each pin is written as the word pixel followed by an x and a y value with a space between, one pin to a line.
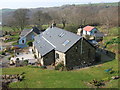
pixel 56 13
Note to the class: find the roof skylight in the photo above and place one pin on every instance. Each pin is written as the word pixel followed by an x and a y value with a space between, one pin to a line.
pixel 66 42
pixel 61 34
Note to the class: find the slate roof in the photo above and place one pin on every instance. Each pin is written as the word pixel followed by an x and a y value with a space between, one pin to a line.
pixel 99 34
pixel 27 31
pixel 59 39
pixel 88 28
pixel 42 46
pixel 36 30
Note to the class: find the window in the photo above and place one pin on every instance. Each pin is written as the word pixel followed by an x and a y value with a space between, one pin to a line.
pixel 22 41
pixel 57 56
pixel 62 34
pixel 66 42
pixel 95 32
pixel 76 48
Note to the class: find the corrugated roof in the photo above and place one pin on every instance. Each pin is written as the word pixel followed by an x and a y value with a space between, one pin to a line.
pixel 88 28
pixel 61 40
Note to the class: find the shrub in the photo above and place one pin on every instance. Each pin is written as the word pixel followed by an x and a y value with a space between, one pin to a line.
pixel 72 28
pixel 43 67
pixel 106 79
pixel 12 55
pixel 59 66
pixel 17 59
pixel 25 62
pixel 35 56
pixel 29 43
pixel 3 53
pixel 9 58
pixel 15 43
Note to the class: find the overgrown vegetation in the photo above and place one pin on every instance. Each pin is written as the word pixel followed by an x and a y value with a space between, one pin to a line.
pixel 114 41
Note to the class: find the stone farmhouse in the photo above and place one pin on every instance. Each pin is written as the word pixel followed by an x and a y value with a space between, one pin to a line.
pixel 28 34
pixel 56 45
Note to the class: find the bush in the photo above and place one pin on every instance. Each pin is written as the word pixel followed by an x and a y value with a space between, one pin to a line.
pixel 35 56
pixel 9 58
pixel 33 66
pixel 106 79
pixel 43 67
pixel 17 59
pixel 25 62
pixel 30 43
pixel 3 53
pixel 12 55
pixel 72 28
pixel 113 41
pixel 15 43
pixel 59 66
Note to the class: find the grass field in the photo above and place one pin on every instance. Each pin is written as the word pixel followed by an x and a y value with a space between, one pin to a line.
pixel 38 78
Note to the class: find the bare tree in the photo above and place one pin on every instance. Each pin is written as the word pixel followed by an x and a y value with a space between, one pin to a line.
pixel 21 18
pixel 63 22
pixel 11 22
pixel 40 18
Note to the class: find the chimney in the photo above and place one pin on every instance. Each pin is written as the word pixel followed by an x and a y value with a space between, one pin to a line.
pixel 80 31
pixel 53 24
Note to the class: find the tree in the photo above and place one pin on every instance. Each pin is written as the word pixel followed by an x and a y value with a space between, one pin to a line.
pixel 40 18
pixel 30 43
pixel 21 18
pixel 11 22
pixel 63 22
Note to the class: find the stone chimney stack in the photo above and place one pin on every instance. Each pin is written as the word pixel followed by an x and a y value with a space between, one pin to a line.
pixel 80 31
pixel 53 24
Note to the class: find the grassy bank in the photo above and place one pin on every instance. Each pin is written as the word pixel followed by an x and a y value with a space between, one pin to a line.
pixel 38 78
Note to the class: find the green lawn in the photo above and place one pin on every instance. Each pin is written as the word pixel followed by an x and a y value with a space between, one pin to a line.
pixel 14 38
pixel 38 78
pixel 5 28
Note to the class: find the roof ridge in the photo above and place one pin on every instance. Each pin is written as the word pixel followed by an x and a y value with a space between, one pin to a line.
pixel 48 42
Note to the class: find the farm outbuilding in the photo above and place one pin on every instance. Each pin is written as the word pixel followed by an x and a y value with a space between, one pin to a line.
pixel 59 45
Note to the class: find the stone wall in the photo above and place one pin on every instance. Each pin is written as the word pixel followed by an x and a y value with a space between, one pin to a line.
pixel 60 58
pixel 49 58
pixel 81 54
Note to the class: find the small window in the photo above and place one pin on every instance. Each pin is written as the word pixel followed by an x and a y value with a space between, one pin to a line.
pixel 76 48
pixel 66 42
pixel 62 34
pixel 57 56
pixel 23 41
pixel 95 32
